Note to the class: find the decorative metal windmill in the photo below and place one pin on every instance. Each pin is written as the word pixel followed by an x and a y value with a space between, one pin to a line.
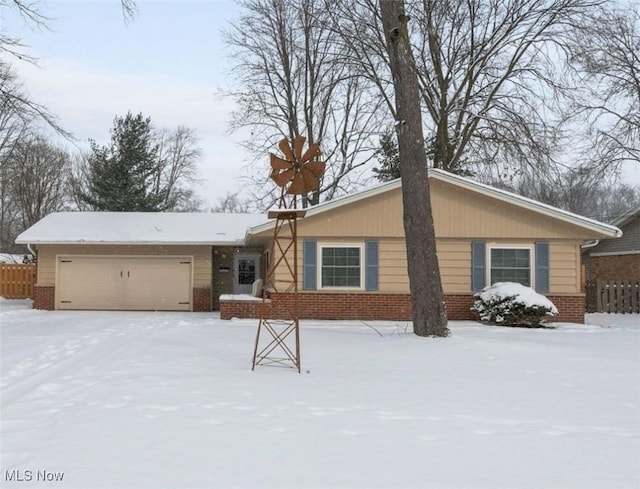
pixel 296 174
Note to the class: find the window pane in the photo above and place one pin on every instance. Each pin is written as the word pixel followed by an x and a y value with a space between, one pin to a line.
pixel 511 265
pixel 246 271
pixel 327 277
pixel 340 267
pixel 327 256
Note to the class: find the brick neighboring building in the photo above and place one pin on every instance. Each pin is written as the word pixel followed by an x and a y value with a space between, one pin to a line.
pixel 616 258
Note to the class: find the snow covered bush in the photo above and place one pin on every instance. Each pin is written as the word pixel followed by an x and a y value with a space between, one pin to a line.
pixel 512 304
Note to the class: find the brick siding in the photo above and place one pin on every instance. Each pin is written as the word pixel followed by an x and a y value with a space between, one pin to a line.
pixel 571 308
pixel 44 297
pixel 614 267
pixel 202 299
pixel 244 309
pixel 391 307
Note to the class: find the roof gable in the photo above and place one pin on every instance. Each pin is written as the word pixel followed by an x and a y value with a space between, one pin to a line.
pixel 594 228
pixel 627 217
pixel 629 243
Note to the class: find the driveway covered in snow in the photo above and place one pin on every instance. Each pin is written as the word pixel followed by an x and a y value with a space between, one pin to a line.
pixel 167 400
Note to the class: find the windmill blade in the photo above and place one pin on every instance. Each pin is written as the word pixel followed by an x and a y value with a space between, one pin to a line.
pixel 298 143
pixel 311 153
pixel 286 149
pixel 316 168
pixel 311 182
pixel 278 163
pixel 297 185
pixel 282 178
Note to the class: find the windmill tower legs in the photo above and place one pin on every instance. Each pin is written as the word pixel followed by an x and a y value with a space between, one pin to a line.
pixel 278 337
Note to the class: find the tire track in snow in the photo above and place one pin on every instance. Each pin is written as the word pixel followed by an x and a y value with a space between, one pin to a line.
pixel 106 347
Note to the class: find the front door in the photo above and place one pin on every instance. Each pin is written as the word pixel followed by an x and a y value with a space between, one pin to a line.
pixel 246 270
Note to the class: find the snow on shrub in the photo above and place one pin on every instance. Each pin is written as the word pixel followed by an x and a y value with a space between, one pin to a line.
pixel 512 304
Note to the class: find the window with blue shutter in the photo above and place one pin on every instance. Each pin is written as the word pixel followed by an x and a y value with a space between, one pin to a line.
pixel 371 265
pixel 542 266
pixel 478 265
pixel 309 264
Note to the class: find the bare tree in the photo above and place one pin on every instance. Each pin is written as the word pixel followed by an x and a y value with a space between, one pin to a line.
pixel 578 190
pixel 427 299
pixel 489 73
pixel 178 156
pixel 13 98
pixel 232 202
pixel 38 184
pixel 291 82
pixel 29 11
pixel 33 184
pixel 14 128
pixel 605 51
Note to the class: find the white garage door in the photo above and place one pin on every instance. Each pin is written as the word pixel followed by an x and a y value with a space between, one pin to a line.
pixel 124 283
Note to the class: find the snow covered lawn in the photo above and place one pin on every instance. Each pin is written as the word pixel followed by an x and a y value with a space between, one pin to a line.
pixel 167 400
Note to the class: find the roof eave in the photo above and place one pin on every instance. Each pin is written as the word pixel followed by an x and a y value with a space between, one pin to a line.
pixel 239 242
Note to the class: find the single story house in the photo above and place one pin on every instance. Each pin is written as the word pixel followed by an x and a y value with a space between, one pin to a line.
pixel 616 259
pixel 351 261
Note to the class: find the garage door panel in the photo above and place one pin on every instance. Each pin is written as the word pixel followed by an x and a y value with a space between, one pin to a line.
pixel 124 283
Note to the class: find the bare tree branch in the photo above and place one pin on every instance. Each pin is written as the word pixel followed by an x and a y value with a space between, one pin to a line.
pixel 292 82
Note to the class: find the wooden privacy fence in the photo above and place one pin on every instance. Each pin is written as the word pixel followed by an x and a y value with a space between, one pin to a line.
pixel 16 281
pixel 620 296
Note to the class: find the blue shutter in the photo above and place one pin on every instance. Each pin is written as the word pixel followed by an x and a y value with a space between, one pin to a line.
pixel 371 265
pixel 478 266
pixel 542 266
pixel 309 252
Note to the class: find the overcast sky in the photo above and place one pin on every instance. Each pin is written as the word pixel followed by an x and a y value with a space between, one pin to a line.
pixel 167 64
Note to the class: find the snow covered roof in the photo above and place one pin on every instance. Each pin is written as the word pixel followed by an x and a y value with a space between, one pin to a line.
pixel 444 176
pixel 141 228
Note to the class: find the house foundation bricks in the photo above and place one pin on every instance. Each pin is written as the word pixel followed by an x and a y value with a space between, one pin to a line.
pixel 202 299
pixel 44 297
pixel 391 307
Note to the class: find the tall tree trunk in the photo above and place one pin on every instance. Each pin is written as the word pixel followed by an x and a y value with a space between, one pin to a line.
pixel 427 299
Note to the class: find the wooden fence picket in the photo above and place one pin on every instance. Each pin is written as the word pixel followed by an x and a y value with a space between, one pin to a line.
pixel 17 280
pixel 614 296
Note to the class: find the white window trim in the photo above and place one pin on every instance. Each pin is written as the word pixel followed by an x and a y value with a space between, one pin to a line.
pixel 508 246
pixel 320 246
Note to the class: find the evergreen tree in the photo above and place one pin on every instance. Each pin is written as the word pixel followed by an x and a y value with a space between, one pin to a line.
pixel 121 175
pixel 388 157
